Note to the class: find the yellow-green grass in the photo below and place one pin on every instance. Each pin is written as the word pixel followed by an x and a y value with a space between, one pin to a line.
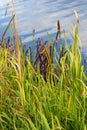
pixel 32 103
pixel 28 101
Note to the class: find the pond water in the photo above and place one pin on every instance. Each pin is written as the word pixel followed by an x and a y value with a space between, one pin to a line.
pixel 42 15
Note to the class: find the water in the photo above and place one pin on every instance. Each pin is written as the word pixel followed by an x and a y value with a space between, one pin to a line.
pixel 42 15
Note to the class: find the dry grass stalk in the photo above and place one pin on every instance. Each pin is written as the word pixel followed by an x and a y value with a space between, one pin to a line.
pixel 7 27
pixel 17 50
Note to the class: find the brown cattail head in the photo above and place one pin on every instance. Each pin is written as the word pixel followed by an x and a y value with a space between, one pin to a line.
pixel 58 30
pixel 58 25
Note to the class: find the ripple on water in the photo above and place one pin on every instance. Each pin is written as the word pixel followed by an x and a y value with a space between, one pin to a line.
pixel 42 15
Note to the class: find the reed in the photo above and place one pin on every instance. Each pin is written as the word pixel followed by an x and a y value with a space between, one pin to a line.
pixel 17 50
pixel 49 96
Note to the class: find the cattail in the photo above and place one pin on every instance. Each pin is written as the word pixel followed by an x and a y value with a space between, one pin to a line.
pixel 58 28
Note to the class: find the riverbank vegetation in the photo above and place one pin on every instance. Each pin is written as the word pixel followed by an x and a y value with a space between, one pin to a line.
pixel 46 91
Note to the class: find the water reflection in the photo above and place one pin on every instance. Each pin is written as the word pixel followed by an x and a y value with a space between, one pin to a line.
pixel 42 15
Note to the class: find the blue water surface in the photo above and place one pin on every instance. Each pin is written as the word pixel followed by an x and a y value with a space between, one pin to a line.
pixel 42 15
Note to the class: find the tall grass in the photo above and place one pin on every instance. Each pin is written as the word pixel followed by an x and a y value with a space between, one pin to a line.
pixel 57 101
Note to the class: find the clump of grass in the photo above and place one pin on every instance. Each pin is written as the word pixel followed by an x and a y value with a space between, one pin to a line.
pixel 46 96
